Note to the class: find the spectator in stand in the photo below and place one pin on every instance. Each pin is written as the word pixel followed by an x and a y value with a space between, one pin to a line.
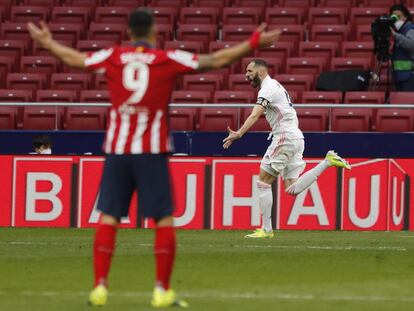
pixel 42 144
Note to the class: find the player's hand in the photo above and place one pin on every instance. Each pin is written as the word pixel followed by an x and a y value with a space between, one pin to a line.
pixel 42 35
pixel 233 135
pixel 269 37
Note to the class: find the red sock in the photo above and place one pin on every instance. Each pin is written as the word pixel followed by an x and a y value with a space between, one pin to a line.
pixel 164 248
pixel 103 249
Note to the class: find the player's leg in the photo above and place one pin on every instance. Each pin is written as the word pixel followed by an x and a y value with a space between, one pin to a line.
pixel 114 197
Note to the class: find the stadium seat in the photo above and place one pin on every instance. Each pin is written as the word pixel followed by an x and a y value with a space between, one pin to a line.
pixel 296 82
pixel 200 33
pixel 12 48
pixel 261 125
pixel 364 97
pixel 88 3
pixel 71 15
pixel 284 16
pixel 41 118
pixel 363 33
pixel 8 118
pixel 203 82
pixel 127 3
pixel 182 119
pixel 305 65
pixel 218 119
pixel 291 33
pixel 296 3
pixel 318 49
pixel 251 3
pixel 319 97
pixel 47 96
pixel 295 96
pixel 67 32
pixel 109 32
pixel 164 33
pixel 171 3
pixel 337 3
pixel 280 50
pixel 70 81
pixel 5 6
pixel 16 96
pixel 402 98
pixel 327 16
pixel 15 31
pixel 7 64
pixel 93 45
pixel 241 16
pixel 239 97
pixel 24 14
pixel 94 96
pixel 26 81
pixel 40 51
pixel 237 32
pixel 394 120
pixel 274 64
pixel 84 118
pixel 378 3
pixel 333 33
pixel 357 49
pixel 219 4
pixel 313 119
pixel 165 15
pixel 347 63
pixel 190 46
pixel 198 16
pixel 99 82
pixel 46 3
pixel 191 97
pixel 238 82
pixel 365 16
pixel 39 64
pixel 112 15
pixel 351 120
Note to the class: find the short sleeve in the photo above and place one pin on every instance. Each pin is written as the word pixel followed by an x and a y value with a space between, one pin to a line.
pixel 264 97
pixel 98 61
pixel 184 62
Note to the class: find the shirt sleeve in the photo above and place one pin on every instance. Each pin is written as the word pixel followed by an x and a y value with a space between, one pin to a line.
pixel 98 61
pixel 264 98
pixel 183 61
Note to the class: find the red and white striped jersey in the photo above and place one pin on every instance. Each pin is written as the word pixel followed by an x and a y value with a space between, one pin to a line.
pixel 140 82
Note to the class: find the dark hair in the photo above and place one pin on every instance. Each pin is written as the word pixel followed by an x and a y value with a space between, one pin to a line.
pixel 403 9
pixel 140 22
pixel 42 140
pixel 259 62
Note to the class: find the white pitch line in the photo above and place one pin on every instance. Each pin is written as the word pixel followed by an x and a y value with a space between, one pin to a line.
pixel 220 295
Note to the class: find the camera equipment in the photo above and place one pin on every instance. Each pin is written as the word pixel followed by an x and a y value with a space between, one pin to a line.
pixel 381 33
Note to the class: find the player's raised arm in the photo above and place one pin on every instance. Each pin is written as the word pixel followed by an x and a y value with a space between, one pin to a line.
pixel 223 57
pixel 43 37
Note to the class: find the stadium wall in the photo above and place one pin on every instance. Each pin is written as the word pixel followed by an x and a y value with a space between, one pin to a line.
pixel 212 193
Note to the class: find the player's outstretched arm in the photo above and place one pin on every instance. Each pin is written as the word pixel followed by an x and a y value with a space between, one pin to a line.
pixel 43 37
pixel 223 57
pixel 252 118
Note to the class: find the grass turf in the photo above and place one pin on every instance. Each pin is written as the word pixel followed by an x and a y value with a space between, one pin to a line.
pixel 50 269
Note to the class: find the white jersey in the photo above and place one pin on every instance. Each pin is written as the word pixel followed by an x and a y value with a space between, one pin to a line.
pixel 279 111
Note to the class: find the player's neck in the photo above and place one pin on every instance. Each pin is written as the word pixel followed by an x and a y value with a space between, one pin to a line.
pixel 142 42
pixel 263 78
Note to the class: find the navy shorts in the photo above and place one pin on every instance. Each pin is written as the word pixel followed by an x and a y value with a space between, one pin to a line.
pixel 148 174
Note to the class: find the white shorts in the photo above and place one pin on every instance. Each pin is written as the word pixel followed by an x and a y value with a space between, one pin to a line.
pixel 285 157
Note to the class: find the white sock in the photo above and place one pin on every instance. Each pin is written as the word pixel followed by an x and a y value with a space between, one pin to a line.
pixel 265 205
pixel 308 178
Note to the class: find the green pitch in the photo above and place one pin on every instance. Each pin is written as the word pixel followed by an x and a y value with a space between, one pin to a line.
pixel 50 269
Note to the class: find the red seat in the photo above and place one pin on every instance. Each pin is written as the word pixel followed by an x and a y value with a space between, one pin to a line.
pixel 112 15
pixel 94 96
pixel 347 63
pixel 364 97
pixel 127 3
pixel 184 97
pixel 238 82
pixel 6 5
pixel 71 15
pixel 182 119
pixel 351 120
pixel 84 118
pixel 228 97
pixel 200 33
pixel 109 32
pixel 46 3
pixel 251 3
pixel 296 82
pixel 261 125
pixel 323 16
pixel 165 15
pixel 7 64
pixel 274 64
pixel 39 64
pixel 378 3
pixel 402 98
pixel 218 119
pixel 318 49
pixel 280 50
pixel 313 119
pixel 88 3
pixel 190 46
pixel 164 33
pixel 363 33
pixel 296 3
pixel 319 97
pixel 100 82
pixel 70 81
pixel 365 16
pixel 40 51
pixel 219 4
pixel 241 16
pixel 67 32
pixel 357 49
pixel 41 118
pixel 16 96
pixel 93 45
pixel 337 3
pixel 12 48
pixel 48 96
pixel 203 82
pixel 395 120
pixel 8 118
pixel 15 31
pixel 26 81
pixel 284 16
pixel 305 65
pixel 237 32
pixel 198 15
pixel 336 33
pixel 24 14
pixel 295 96
pixel 171 3
pixel 292 33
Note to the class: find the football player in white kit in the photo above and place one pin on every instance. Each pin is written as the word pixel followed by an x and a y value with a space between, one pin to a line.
pixel 284 155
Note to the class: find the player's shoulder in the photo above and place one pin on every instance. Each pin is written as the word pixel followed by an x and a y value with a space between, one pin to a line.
pixel 269 87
